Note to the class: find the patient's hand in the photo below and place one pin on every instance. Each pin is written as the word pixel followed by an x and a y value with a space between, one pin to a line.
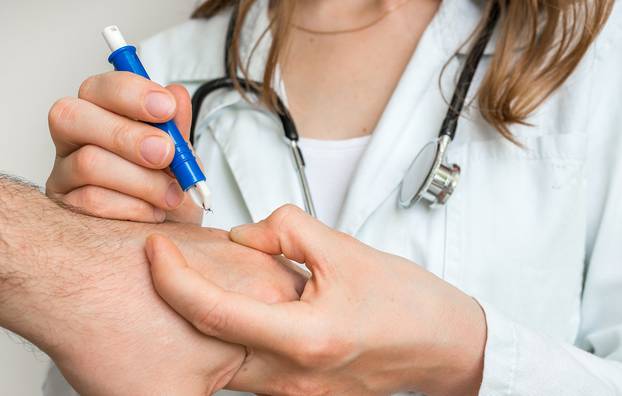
pixel 80 289
pixel 133 338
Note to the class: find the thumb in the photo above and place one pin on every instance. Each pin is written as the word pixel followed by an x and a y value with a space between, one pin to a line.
pixel 293 233
pixel 216 312
pixel 183 118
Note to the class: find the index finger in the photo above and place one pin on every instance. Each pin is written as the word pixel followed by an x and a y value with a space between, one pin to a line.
pixel 76 122
pixel 129 95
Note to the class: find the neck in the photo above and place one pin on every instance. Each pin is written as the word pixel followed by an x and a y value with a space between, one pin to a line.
pixel 342 12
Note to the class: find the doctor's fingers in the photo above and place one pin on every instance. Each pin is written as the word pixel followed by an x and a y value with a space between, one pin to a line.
pixel 129 95
pixel 298 236
pixel 232 317
pixel 262 374
pixel 109 204
pixel 183 117
pixel 76 122
pixel 94 166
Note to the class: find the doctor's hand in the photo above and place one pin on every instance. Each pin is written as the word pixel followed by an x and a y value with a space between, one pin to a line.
pixel 111 165
pixel 367 323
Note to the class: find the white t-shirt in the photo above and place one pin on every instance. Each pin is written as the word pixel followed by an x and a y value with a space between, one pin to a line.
pixel 330 166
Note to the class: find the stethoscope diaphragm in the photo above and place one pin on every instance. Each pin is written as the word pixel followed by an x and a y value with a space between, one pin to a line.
pixel 428 178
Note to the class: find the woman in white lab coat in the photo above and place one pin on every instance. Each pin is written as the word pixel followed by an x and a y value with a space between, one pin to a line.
pixel 513 287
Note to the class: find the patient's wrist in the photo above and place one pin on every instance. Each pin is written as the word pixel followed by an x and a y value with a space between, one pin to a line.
pixel 52 262
pixel 80 289
pixel 20 276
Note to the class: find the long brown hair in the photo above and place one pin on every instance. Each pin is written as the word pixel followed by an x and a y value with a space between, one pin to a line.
pixel 540 43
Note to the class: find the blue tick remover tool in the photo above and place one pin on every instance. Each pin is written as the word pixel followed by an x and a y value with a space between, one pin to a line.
pixel 184 166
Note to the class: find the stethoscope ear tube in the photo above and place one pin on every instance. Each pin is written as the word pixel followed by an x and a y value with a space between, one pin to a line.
pixel 450 123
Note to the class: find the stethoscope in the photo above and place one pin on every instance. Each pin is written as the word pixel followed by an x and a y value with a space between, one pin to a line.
pixel 429 178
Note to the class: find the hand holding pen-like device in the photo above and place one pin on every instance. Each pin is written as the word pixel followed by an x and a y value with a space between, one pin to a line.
pixel 184 166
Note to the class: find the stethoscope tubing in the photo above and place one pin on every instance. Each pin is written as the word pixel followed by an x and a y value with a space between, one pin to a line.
pixel 289 127
pixel 446 134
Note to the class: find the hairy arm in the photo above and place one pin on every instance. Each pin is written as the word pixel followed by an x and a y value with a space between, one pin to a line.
pixel 80 289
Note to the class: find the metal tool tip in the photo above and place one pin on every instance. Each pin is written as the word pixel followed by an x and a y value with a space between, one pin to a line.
pixel 201 196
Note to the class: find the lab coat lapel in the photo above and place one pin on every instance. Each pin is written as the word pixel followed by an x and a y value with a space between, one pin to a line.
pixel 260 161
pixel 258 157
pixel 250 137
pixel 413 115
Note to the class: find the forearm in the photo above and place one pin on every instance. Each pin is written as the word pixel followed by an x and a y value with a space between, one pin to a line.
pixel 60 268
pixel 49 255
pixel 24 217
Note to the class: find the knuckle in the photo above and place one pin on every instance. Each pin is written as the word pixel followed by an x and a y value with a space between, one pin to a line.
pixel 123 84
pixel 274 285
pixel 299 385
pixel 90 198
pixel 283 216
pixel 61 112
pixel 86 88
pixel 119 135
pixel 288 210
pixel 273 295
pixel 211 321
pixel 85 161
pixel 321 349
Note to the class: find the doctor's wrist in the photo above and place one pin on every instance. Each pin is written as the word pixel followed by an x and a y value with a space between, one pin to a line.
pixel 463 357
pixel 452 362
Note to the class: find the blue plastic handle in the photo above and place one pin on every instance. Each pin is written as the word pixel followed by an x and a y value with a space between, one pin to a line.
pixel 184 166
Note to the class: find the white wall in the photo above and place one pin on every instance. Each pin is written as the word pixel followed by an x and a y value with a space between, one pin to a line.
pixel 47 47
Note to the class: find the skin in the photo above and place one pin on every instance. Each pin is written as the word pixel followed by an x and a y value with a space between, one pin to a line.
pixel 333 75
pixel 98 136
pixel 80 289
pixel 327 342
pixel 310 346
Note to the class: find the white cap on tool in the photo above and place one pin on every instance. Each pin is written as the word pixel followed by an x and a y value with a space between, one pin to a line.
pixel 114 38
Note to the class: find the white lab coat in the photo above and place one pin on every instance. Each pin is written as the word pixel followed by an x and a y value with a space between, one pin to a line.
pixel 534 234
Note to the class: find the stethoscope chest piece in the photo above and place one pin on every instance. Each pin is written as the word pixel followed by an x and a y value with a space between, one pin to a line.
pixel 428 178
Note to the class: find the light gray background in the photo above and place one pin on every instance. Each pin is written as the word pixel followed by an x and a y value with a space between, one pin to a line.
pixel 46 49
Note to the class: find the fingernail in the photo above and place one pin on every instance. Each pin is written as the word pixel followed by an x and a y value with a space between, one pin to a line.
pixel 159 215
pixel 154 149
pixel 159 105
pixel 174 195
